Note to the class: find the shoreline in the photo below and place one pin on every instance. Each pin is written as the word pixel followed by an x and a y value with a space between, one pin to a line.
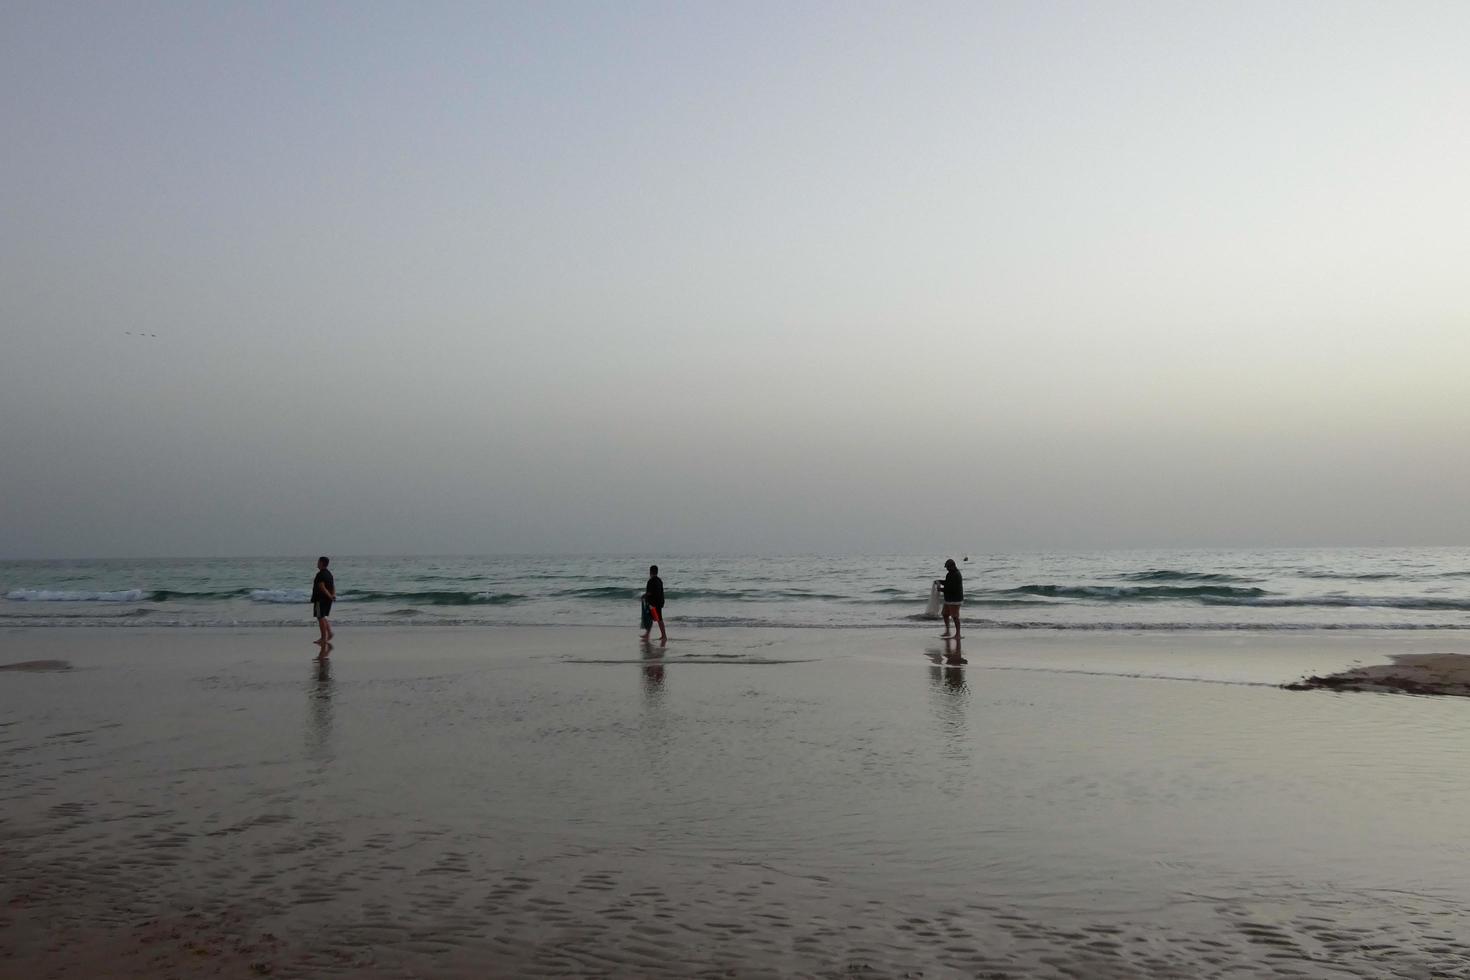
pixel 1282 658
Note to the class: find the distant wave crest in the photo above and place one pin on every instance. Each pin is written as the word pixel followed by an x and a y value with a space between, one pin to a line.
pixel 600 592
pixel 439 598
pixel 1340 577
pixel 1171 575
pixel 1136 593
pixel 1345 602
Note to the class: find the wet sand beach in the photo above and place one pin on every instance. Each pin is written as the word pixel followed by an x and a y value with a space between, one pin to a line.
pixel 510 802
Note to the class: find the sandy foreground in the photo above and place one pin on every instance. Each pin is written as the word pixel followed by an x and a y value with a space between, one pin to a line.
pixel 741 803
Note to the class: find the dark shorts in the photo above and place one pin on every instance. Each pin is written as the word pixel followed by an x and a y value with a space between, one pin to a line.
pixel 321 609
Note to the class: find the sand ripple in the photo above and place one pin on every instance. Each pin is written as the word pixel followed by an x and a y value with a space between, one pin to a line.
pixel 300 899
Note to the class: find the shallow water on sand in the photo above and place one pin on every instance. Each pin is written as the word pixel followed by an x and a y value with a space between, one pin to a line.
pixel 568 802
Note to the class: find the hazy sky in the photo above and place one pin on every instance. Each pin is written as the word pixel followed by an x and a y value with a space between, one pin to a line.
pixel 752 277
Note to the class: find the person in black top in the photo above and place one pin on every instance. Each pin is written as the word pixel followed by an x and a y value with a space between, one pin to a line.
pixel 653 594
pixel 323 594
pixel 954 594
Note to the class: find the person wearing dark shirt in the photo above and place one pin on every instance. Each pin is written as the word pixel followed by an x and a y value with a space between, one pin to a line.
pixel 323 594
pixel 954 594
pixel 653 594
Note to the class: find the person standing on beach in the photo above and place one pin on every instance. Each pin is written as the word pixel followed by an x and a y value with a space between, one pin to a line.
pixel 323 594
pixel 954 594
pixel 653 594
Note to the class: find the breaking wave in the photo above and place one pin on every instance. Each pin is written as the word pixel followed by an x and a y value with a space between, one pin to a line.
pixel 81 595
pixel 429 598
pixel 281 595
pixel 621 593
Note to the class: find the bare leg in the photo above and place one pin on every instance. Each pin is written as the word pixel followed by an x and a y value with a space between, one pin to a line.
pixel 662 634
pixel 956 622
pixel 945 613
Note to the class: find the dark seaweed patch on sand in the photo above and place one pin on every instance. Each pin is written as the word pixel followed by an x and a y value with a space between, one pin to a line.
pixel 1410 673
pixel 38 666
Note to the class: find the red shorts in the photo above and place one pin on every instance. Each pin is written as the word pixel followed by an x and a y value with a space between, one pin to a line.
pixel 658 617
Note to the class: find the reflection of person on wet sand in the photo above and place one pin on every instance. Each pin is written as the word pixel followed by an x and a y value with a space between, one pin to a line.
pixel 653 669
pixel 953 653
pixel 946 672
pixel 319 699
pixel 947 665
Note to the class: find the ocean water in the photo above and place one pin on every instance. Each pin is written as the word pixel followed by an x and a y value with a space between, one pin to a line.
pixel 1358 588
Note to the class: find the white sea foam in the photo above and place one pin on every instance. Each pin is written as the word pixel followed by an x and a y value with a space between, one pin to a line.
pixel 289 596
pixel 280 595
pixel 68 595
